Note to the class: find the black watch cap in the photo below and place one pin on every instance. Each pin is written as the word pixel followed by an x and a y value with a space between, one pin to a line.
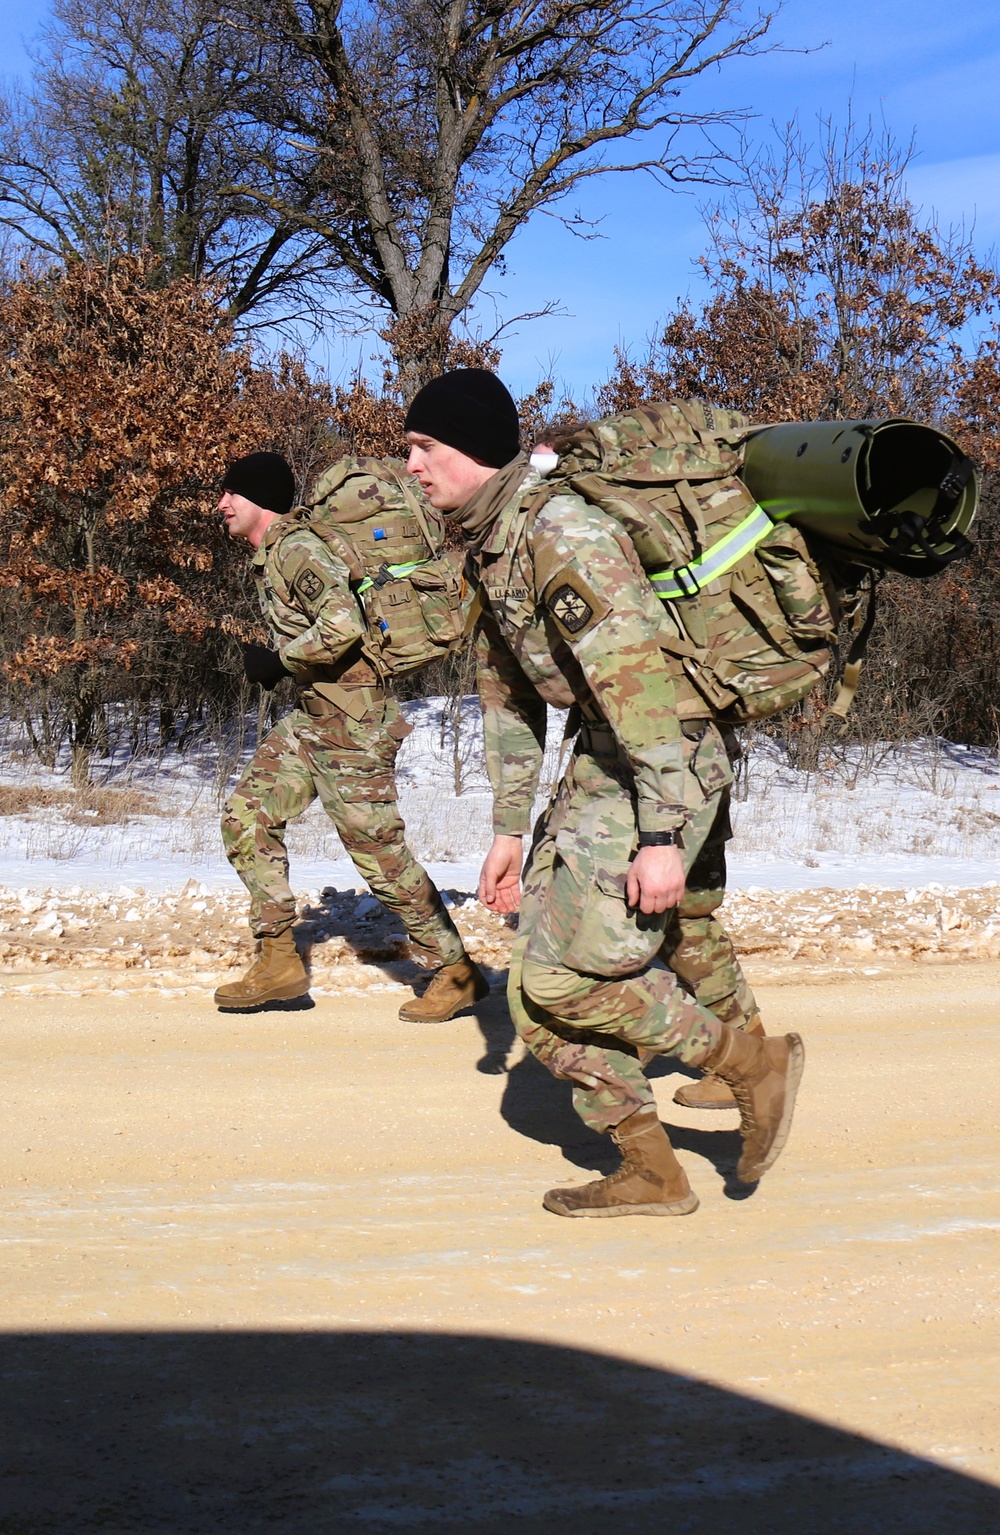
pixel 263 478
pixel 471 410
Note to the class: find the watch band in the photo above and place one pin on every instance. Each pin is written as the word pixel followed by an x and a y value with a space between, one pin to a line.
pixel 660 839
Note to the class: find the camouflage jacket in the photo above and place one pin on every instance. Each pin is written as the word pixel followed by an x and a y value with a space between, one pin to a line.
pixel 569 617
pixel 306 599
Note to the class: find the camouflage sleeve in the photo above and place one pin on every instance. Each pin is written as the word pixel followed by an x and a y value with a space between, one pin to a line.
pixel 317 583
pixel 598 602
pixel 514 730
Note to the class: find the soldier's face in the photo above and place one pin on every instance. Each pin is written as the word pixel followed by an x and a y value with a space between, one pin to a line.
pixel 243 518
pixel 449 477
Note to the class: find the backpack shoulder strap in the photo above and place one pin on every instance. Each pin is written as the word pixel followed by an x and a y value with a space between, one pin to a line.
pixel 335 539
pixel 418 512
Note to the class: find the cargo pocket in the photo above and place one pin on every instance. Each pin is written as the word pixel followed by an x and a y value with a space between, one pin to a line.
pixel 605 936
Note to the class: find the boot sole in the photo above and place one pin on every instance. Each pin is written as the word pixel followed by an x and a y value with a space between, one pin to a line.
pixel 276 994
pixel 601 1212
pixel 796 1062
pixel 684 1105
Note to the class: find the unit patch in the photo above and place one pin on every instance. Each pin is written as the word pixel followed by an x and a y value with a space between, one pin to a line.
pixel 573 605
pixel 573 611
pixel 310 585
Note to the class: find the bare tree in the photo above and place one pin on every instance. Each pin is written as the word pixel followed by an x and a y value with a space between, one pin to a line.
pixel 140 116
pixel 433 131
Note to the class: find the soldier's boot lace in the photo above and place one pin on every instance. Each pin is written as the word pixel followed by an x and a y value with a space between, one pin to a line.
pixel 764 1075
pixel 277 974
pixel 451 989
pixel 650 1180
pixel 711 1092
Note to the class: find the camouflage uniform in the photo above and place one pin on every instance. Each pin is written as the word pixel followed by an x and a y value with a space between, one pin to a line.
pixel 340 743
pixel 571 620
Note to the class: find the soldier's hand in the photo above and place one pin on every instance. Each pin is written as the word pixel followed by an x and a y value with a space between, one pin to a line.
pixel 263 665
pixel 655 880
pixel 500 880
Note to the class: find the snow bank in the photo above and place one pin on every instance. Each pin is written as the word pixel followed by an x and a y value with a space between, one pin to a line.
pixel 911 816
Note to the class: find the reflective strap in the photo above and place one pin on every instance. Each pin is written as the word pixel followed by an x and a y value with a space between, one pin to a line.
pixel 396 572
pixel 738 542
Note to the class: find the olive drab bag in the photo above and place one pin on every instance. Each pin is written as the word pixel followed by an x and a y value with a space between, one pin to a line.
pixel 752 618
pixel 412 590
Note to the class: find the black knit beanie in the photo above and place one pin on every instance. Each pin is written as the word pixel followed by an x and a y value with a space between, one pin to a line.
pixel 264 478
pixel 470 410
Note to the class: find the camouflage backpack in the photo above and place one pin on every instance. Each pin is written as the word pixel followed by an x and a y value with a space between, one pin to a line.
pixel 753 620
pixel 413 593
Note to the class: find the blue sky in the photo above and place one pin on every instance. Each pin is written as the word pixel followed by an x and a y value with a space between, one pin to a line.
pixel 927 69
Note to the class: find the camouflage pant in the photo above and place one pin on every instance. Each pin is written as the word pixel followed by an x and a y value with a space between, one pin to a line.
pixel 349 764
pixel 593 983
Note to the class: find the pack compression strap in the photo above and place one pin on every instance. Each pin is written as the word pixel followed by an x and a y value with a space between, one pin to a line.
pixel 689 580
pixel 390 573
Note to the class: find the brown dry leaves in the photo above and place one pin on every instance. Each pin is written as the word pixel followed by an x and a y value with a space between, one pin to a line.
pixel 125 399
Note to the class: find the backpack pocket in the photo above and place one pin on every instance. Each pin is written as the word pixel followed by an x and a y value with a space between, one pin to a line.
pixel 444 599
pixel 784 556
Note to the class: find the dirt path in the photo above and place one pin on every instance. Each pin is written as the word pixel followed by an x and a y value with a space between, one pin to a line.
pixel 244 1255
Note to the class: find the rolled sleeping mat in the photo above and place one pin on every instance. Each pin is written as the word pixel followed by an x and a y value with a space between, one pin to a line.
pixel 892 493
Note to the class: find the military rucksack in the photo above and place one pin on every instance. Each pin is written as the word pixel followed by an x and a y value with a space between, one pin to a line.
pixel 752 617
pixel 412 590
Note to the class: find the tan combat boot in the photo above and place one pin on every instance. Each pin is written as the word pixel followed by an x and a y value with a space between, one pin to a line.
pixel 277 974
pixel 650 1180
pixel 764 1075
pixel 711 1092
pixel 451 989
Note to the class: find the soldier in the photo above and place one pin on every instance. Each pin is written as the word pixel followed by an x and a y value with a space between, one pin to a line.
pixel 340 742
pixel 696 946
pixel 570 619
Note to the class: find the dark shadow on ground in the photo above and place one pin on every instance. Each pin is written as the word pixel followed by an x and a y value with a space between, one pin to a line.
pixel 307 1433
pixel 493 1017
pixel 538 1105
pixel 374 933
pixel 294 1005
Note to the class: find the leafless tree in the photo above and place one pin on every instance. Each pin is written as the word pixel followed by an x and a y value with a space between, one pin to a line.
pixel 139 117
pixel 437 128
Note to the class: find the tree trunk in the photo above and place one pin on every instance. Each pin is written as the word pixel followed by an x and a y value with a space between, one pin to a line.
pixel 419 342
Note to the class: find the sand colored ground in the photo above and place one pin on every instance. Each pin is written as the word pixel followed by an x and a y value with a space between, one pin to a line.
pixel 290 1271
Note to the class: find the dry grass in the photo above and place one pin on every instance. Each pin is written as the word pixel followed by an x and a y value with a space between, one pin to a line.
pixel 90 806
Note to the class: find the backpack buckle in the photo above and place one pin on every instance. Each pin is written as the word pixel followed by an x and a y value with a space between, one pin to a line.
pixel 686 580
pixel 382 576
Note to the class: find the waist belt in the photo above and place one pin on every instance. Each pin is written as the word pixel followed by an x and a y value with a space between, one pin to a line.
pixel 334 699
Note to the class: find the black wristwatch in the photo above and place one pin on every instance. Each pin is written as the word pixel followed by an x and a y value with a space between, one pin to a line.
pixel 660 839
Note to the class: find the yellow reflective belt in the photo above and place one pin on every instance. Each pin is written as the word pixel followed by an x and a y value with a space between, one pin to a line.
pixel 739 541
pixel 391 572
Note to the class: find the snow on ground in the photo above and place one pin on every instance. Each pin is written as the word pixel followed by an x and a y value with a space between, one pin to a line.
pixel 928 813
pixel 881 857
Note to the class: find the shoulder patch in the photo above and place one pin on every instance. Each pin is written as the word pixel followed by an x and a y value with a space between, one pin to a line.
pixel 574 605
pixel 310 585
